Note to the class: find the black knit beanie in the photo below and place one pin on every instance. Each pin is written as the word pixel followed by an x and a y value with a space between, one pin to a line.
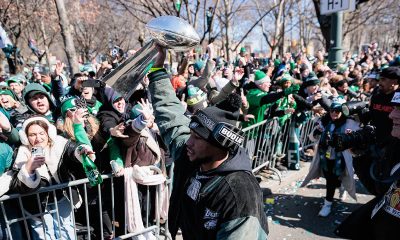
pixel 204 121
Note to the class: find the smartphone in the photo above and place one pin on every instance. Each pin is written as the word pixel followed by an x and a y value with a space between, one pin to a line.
pixel 93 83
pixel 37 152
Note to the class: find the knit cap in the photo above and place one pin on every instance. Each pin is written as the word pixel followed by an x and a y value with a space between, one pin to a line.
pixel 311 80
pixel 260 77
pixel 198 65
pixel 196 99
pixel 205 122
pixel 6 91
pixel 372 75
pixel 15 78
pixel 391 73
pixel 285 78
pixel 342 69
pixel 68 104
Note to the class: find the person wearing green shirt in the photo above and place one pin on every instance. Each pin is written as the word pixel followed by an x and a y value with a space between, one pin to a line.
pixel 260 99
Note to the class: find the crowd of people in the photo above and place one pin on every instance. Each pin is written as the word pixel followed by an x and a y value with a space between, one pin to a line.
pixel 192 116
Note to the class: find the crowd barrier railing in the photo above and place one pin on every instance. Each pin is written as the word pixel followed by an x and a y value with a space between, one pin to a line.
pixel 263 142
pixel 266 141
pixel 22 220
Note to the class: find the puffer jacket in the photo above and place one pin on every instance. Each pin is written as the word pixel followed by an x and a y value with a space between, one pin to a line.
pixel 241 215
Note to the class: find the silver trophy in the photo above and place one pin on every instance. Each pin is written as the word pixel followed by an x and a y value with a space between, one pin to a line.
pixel 167 31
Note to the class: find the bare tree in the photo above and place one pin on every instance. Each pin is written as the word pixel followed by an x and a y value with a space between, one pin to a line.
pixel 273 36
pixel 67 36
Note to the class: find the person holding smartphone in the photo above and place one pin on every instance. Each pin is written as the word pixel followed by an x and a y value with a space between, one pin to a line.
pixel 46 159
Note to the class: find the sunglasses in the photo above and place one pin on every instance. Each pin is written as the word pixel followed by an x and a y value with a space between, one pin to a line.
pixel 335 110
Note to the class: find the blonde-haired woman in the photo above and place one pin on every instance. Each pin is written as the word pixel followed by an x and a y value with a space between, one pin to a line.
pixel 45 159
pixel 66 124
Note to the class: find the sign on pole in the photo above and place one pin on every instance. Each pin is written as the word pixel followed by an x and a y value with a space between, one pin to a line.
pixel 331 6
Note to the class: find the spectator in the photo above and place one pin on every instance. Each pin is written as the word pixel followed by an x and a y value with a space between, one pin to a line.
pixel 260 100
pixel 334 165
pixel 53 166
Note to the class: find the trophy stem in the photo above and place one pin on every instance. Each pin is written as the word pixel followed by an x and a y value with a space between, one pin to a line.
pixel 127 76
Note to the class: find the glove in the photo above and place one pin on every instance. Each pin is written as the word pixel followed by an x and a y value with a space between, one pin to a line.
pixel 291 89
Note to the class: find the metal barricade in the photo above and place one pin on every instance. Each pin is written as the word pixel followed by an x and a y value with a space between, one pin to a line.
pixel 24 217
pixel 262 139
pixel 260 144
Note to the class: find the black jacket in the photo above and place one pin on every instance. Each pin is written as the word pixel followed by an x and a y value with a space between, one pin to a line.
pixel 229 200
pixel 67 166
pixel 228 196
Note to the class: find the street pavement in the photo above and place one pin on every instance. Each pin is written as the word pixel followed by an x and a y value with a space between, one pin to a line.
pixel 293 212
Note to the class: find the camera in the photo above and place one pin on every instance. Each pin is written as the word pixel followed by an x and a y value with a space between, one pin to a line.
pixel 354 107
pixel 360 139
pixel 93 83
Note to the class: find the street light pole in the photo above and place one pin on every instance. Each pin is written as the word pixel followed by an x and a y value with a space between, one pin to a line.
pixel 336 50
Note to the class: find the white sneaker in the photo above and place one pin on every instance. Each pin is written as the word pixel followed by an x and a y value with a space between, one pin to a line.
pixel 342 194
pixel 326 209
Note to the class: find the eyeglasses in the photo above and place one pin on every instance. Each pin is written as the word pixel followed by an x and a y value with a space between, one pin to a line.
pixel 72 109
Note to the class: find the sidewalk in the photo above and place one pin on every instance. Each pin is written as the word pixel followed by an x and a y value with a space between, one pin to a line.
pixel 292 212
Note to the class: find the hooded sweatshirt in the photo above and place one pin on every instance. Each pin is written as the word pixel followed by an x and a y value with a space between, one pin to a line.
pixel 35 87
pixel 221 198
pixel 228 201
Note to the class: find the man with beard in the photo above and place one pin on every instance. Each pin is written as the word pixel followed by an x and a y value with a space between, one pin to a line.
pixel 215 195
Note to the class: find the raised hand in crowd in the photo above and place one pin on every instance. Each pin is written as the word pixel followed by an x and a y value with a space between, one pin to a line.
pixel 79 81
pixel 146 111
pixel 118 131
pixel 159 61
pixel 84 150
pixel 80 116
pixel 183 102
pixel 316 96
pixel 289 110
pixel 318 111
pixel 245 103
pixel 59 68
pixel 238 74
pixel 145 81
pixel 211 51
pixel 5 125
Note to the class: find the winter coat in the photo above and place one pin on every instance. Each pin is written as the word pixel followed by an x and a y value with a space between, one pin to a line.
pixel 347 176
pixel 202 81
pixel 144 146
pixel 18 119
pixel 279 109
pixel 259 101
pixel 229 200
pixel 61 157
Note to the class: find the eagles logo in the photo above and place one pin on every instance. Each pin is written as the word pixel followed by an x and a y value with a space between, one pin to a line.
pixel 395 199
